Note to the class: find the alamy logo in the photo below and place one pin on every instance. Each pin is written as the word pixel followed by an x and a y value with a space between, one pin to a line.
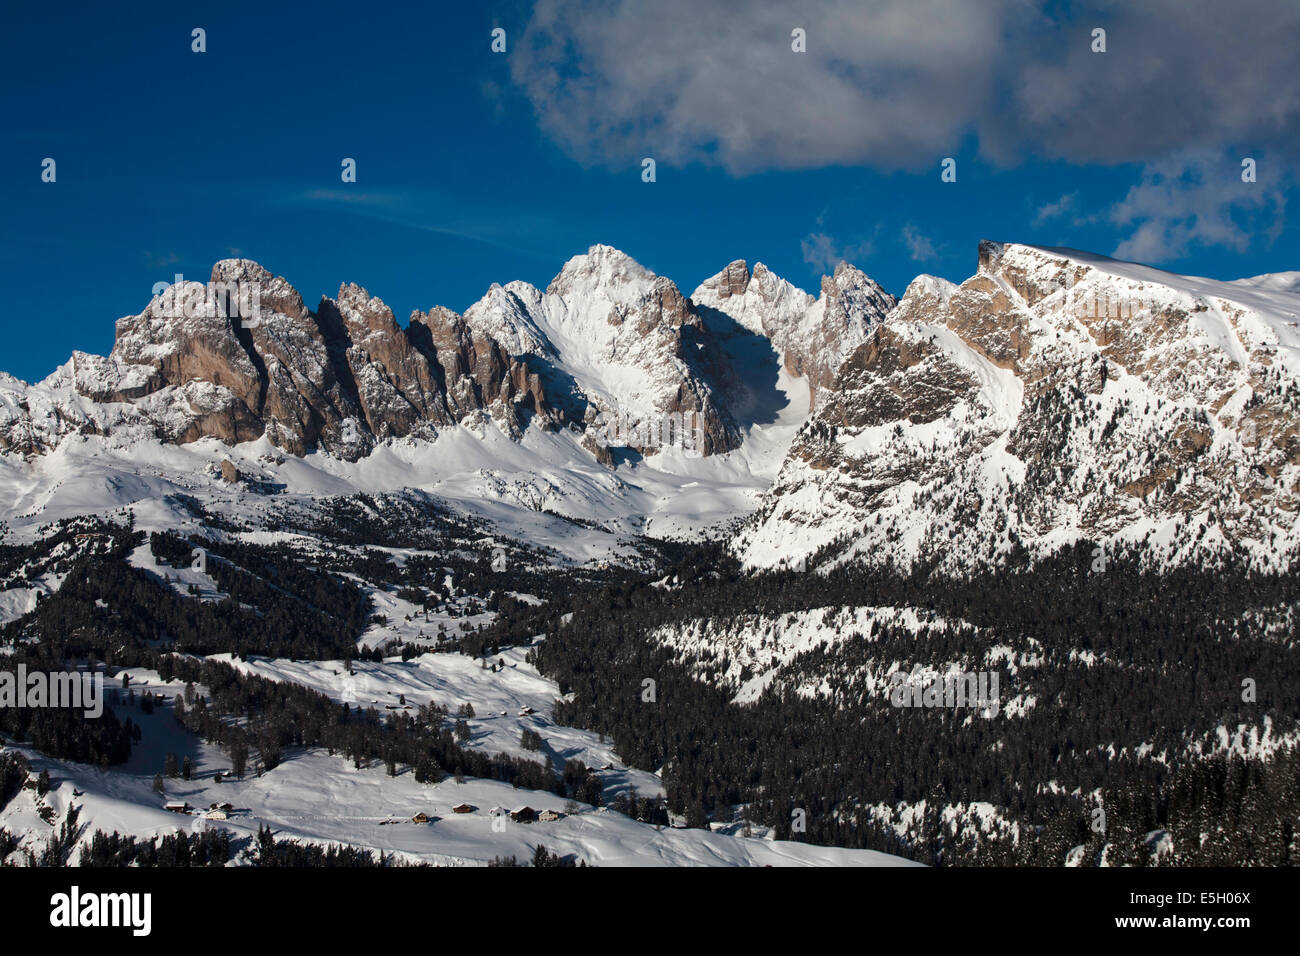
pixel 666 430
pixel 75 909
pixel 57 689
pixel 190 300
pixel 951 690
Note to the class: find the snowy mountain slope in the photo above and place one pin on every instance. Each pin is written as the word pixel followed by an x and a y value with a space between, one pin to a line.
pixel 316 798
pixel 518 408
pixel 753 654
pixel 506 702
pixel 1053 396
pixel 1272 282
pixel 525 487
pixel 619 340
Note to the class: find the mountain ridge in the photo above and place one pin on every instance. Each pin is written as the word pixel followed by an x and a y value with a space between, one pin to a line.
pixel 1053 395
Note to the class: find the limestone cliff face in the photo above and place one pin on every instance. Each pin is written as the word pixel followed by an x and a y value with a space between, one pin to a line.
pixel 479 374
pixel 850 308
pixel 811 336
pixel 339 378
pixel 607 343
pixel 1052 396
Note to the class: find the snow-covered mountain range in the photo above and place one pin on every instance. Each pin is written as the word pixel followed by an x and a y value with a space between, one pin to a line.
pixel 1054 395
pixel 442 466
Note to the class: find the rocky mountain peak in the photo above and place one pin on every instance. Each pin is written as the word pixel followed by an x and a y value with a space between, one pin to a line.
pixel 600 268
pixel 364 312
pixel 851 293
pixel 851 304
pixel 273 293
pixel 811 336
pixel 731 281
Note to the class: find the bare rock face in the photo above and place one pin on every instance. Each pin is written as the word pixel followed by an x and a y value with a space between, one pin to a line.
pixel 239 375
pixel 242 356
pixel 182 337
pixel 598 448
pixel 1053 396
pixel 302 403
pixel 731 282
pixel 896 376
pixel 850 307
pixel 393 382
pixel 229 472
pixel 209 411
pixel 813 337
pixel 480 376
pixel 984 314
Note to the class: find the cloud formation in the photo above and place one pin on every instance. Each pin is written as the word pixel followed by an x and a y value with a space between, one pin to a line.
pixel 898 84
pixel 920 248
pixel 1194 199
pixel 1189 199
pixel 1055 210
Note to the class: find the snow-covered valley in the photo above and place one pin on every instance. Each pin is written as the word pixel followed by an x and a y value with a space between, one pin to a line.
pixel 315 797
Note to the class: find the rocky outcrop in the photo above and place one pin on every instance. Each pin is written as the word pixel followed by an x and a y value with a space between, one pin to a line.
pixel 479 374
pixel 850 307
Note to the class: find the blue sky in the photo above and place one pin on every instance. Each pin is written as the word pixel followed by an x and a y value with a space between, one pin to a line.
pixel 475 167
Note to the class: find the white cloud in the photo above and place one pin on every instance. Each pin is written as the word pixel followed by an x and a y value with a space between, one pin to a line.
pixel 898 84
pixel 1195 199
pixel 892 83
pixel 919 247
pixel 1055 210
pixel 1176 75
